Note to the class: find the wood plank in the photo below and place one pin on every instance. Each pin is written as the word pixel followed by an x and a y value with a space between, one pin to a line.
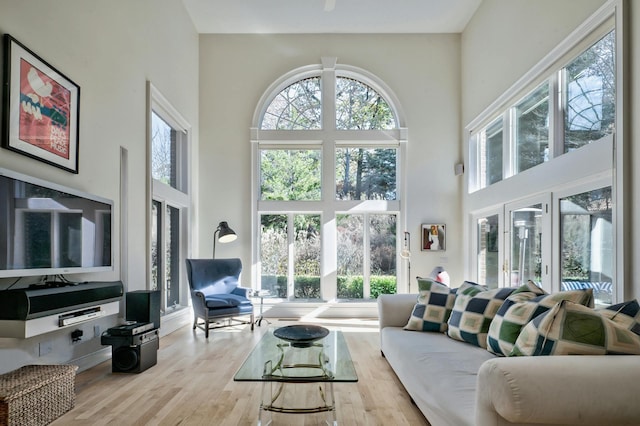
pixel 192 384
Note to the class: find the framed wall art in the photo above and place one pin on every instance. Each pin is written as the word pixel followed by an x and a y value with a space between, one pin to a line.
pixel 433 237
pixel 41 108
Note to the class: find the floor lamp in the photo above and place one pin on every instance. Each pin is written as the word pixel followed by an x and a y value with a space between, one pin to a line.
pixel 224 235
pixel 406 254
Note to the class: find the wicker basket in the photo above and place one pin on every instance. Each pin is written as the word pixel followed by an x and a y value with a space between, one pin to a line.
pixel 36 394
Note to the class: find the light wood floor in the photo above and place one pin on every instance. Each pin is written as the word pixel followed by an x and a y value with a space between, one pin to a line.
pixel 192 384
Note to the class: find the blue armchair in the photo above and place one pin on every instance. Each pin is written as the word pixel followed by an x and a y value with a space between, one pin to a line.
pixel 216 294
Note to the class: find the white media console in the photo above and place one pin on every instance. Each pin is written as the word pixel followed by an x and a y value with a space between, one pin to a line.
pixel 38 310
pixel 23 329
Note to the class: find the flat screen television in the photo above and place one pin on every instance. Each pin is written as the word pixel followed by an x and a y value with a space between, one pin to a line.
pixel 48 229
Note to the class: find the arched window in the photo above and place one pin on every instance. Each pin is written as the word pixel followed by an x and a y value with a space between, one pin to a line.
pixel 296 107
pixel 328 149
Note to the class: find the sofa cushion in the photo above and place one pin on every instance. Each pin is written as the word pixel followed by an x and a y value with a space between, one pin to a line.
pixel 626 314
pixel 438 372
pixel 435 301
pixel 520 308
pixel 225 301
pixel 573 329
pixel 472 313
pixel 213 302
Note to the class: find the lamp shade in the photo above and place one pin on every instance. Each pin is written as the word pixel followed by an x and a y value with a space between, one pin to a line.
pixel 225 234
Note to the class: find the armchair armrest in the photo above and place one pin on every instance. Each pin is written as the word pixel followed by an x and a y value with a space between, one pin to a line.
pixel 241 291
pixel 559 390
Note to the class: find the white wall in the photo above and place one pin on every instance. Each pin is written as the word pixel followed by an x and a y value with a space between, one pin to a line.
pixel 505 38
pixel 422 70
pixel 634 114
pixel 110 49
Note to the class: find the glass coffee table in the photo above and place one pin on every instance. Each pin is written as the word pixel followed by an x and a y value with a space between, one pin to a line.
pixel 284 363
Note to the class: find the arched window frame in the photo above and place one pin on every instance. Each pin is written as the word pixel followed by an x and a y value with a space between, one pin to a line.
pixel 327 139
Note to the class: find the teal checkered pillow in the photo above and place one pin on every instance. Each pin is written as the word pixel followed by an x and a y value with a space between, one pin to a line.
pixel 572 329
pixel 435 301
pixel 472 313
pixel 522 307
pixel 626 314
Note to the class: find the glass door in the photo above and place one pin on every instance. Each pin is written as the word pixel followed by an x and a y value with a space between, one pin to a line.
pixel 488 263
pixel 529 242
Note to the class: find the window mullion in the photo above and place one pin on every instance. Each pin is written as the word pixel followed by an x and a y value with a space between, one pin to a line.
pixel 509 143
pixel 366 261
pixel 162 253
pixel 557 116
pixel 290 257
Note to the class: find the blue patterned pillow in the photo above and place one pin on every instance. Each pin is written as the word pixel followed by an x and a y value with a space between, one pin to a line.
pixel 522 307
pixel 435 301
pixel 472 313
pixel 573 329
pixel 627 314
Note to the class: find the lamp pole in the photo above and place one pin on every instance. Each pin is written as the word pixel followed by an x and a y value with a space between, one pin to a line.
pixel 214 242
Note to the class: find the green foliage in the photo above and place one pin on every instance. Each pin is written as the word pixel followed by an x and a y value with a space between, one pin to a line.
pixel 290 175
pixel 306 287
pixel 273 248
pixel 366 173
pixel 275 284
pixel 381 284
pixel 359 107
pixel 350 287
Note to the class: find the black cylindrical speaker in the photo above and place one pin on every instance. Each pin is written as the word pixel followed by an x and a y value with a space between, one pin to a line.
pixel 135 358
pixel 143 306
pixel 125 358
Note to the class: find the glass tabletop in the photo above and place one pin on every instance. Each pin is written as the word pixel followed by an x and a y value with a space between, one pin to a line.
pixel 277 360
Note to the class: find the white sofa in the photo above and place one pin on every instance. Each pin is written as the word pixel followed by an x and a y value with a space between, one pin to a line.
pixel 455 383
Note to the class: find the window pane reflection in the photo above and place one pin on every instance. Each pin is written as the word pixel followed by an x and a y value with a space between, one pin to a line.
pixel 587 243
pixel 526 245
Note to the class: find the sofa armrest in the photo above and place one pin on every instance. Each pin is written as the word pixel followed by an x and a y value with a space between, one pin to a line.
pixel 394 310
pixel 559 390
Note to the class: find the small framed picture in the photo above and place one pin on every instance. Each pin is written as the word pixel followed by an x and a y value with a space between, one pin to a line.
pixel 433 237
pixel 41 108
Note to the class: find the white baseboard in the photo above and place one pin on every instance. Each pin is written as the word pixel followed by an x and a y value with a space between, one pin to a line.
pixel 93 359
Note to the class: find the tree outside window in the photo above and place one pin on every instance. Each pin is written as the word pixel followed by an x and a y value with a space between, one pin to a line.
pixel 295 206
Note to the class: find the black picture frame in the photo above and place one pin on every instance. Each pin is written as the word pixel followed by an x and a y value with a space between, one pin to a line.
pixel 41 114
pixel 433 237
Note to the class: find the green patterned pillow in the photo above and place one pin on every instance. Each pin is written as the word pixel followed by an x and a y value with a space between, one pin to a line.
pixel 627 314
pixel 435 301
pixel 572 329
pixel 472 313
pixel 522 307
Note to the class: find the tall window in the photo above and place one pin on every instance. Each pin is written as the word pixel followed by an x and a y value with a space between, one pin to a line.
pixel 488 261
pixel 490 152
pixel 169 208
pixel 588 99
pixel 590 94
pixel 532 129
pixel 586 241
pixel 328 152
pixel 559 218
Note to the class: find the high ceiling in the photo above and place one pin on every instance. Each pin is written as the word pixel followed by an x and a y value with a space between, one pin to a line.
pixel 330 16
